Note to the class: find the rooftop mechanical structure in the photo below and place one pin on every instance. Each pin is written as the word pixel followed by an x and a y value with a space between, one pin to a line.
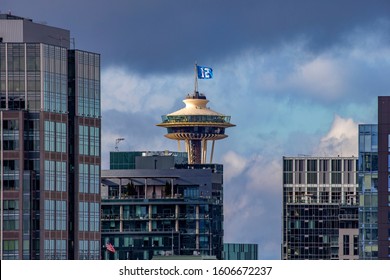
pixel 196 124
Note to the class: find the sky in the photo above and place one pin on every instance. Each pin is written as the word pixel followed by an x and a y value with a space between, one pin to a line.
pixel 297 77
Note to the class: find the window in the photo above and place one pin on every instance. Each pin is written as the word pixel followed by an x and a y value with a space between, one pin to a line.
pixel 49 175
pixel 10 135
pixel 55 176
pixel 55 249
pixel 49 249
pixel 83 140
pixel 312 171
pixel 287 178
pixel 88 83
pixel 11 215
pixel 287 165
pixel 11 174
pixel 31 135
pixel 388 142
pixel 60 215
pixel 83 249
pixel 89 140
pixel 61 137
pixel 336 165
pixel 94 141
pixel 55 79
pixel 49 135
pixel 83 216
pixel 49 211
pixel 336 171
pixel 61 181
pixel 11 250
pixel 311 165
pixel 94 249
pixel 388 162
pixel 55 137
pixel 388 184
pixel 83 178
pixel 94 179
pixel 191 192
pixel 356 245
pixel 61 249
pixel 94 217
pixel 89 177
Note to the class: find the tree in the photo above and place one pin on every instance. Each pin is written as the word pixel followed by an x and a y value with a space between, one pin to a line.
pixel 131 191
pixel 167 189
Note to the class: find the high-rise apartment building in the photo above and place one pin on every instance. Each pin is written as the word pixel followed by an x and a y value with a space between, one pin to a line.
pixel 161 208
pixel 50 144
pixel 374 185
pixel 320 208
pixel 368 191
pixel 384 177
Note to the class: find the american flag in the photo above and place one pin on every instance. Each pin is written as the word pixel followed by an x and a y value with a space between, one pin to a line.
pixel 110 247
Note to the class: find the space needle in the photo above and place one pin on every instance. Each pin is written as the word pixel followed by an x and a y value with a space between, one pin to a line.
pixel 196 124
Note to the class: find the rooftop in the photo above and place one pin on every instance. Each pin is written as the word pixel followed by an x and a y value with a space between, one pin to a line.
pixel 10 16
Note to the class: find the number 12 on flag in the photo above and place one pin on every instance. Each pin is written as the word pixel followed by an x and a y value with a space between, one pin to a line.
pixel 204 72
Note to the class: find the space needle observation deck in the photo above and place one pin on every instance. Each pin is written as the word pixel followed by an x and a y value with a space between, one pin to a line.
pixel 196 124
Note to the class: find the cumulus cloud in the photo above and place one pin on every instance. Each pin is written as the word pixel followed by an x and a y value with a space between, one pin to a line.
pixel 264 175
pixel 342 139
pixel 234 165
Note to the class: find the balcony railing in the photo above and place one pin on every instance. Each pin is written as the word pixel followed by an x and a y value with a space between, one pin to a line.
pixel 158 216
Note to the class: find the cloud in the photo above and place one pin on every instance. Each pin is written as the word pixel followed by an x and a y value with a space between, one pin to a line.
pixel 157 37
pixel 251 190
pixel 264 175
pixel 322 76
pixel 342 139
pixel 126 91
pixel 234 165
pixel 284 102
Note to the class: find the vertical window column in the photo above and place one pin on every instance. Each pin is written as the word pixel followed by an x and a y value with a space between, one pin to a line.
pixel 83 216
pixel 83 140
pixel 49 135
pixel 49 212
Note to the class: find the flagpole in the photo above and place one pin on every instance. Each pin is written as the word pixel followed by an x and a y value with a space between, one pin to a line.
pixel 196 79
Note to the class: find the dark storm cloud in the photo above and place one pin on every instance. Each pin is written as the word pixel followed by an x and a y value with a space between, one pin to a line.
pixel 156 36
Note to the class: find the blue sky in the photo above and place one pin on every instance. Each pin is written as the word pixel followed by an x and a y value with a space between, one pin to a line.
pixel 296 77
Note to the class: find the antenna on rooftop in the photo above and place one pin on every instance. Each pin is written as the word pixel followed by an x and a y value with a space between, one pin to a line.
pixel 117 142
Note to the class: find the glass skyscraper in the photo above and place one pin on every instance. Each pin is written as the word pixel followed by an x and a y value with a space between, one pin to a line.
pixel 368 191
pixel 50 144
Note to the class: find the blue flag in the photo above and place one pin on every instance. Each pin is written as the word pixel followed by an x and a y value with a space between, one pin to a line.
pixel 204 72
